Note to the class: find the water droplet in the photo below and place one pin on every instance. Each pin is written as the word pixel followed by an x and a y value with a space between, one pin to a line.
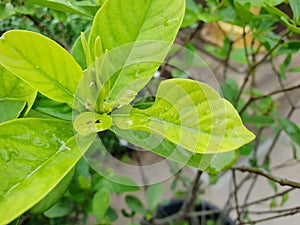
pixel 128 122
pixel 91 84
pixel 37 67
pixel 32 172
pixel 22 137
pixel 63 147
pixel 4 155
pixel 171 21
pixel 37 142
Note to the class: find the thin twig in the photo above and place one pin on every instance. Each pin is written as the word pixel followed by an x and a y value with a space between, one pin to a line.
pixel 253 99
pixel 239 219
pixel 281 181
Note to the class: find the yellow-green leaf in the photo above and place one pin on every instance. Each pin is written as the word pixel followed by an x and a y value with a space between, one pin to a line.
pixel 13 88
pixel 35 155
pixel 189 114
pixel 42 63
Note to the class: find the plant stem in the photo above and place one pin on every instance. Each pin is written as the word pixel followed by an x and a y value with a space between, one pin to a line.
pixel 281 181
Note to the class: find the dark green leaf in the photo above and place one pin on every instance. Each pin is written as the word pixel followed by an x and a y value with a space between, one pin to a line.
pixel 10 109
pixel 290 128
pixel 60 209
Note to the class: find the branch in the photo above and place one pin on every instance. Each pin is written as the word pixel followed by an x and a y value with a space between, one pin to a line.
pixel 255 65
pixel 272 217
pixel 252 99
pixel 281 181
pixel 239 219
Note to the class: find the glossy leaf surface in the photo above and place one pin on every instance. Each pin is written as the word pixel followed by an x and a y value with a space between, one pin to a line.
pixel 141 21
pixel 189 114
pixel 14 88
pixel 34 158
pixel 42 63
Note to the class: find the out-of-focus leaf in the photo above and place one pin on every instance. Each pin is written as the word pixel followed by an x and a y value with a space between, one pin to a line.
pixel 6 10
pixel 100 204
pixel 290 128
pixel 60 209
pixel 154 194
pixel 295 6
pixel 284 199
pixel 135 204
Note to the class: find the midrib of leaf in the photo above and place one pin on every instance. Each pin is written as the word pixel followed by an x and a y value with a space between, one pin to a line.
pixel 160 120
pixel 36 170
pixel 42 71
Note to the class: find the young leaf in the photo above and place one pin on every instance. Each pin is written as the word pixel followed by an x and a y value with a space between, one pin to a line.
pixel 14 88
pixel 189 114
pixel 100 204
pixel 37 154
pixel 42 63
pixel 141 21
pixel 154 194
pixel 290 128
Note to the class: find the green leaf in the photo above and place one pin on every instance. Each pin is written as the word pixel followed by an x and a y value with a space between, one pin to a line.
pixel 78 52
pixel 54 195
pixel 230 90
pixel 13 88
pixel 10 109
pixel 212 163
pixel 290 128
pixel 189 114
pixel 258 120
pixel 294 150
pixel 146 31
pixel 60 209
pixel 100 204
pixel 39 153
pixel 42 63
pixel 273 203
pixel 154 194
pixel 244 13
pixel 295 6
pixel 6 10
pixel 284 199
pixel 117 184
pixel 68 6
pixel 135 204
pixel 55 109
